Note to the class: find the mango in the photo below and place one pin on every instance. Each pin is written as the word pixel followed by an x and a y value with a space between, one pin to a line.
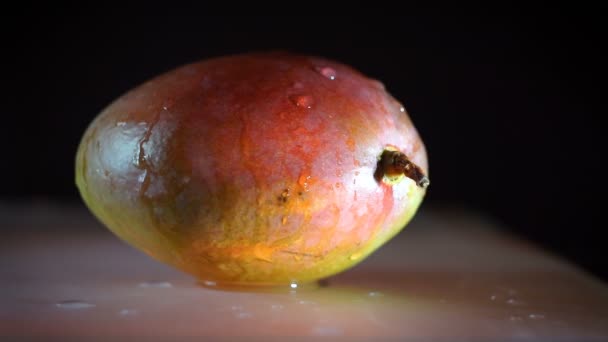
pixel 255 169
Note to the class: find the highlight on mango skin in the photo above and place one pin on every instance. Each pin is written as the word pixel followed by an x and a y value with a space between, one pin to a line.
pixel 255 169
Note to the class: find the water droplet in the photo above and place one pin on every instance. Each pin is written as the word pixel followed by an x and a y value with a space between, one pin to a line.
pixel 327 331
pixel 128 312
pixel 515 302
pixel 327 72
pixel 306 302
pixel 304 181
pixel 293 285
pixel 209 283
pixel 244 315
pixel 536 316
pixel 375 294
pixel 74 305
pixel 304 101
pixel 156 284
pixel 402 109
pixel 168 103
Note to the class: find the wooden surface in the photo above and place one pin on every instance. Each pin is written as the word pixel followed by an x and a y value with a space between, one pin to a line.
pixel 449 276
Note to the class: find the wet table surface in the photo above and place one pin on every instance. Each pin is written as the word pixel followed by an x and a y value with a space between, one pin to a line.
pixel 449 276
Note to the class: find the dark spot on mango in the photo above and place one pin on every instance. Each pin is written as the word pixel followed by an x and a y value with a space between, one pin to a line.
pixel 284 196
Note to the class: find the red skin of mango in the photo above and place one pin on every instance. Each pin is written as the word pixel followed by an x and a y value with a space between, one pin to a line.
pixel 252 169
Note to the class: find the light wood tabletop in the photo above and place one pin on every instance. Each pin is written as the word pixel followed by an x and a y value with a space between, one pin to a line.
pixel 451 275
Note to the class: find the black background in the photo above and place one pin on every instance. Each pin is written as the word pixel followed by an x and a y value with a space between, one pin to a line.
pixel 508 106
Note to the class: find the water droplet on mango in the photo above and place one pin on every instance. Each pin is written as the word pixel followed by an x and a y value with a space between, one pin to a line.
pixel 328 72
pixel 304 101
